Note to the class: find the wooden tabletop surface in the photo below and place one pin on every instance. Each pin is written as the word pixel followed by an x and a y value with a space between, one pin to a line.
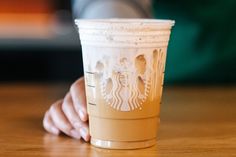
pixel 195 122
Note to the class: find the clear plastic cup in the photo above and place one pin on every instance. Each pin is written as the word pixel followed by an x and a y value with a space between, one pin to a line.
pixel 124 62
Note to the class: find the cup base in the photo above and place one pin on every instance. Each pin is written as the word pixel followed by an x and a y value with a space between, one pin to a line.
pixel 123 145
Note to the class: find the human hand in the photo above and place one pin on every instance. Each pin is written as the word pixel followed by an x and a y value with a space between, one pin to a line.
pixel 69 115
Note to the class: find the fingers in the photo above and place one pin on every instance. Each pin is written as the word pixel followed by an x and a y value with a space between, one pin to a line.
pixel 49 125
pixel 70 112
pixel 70 115
pixel 77 91
pixel 73 117
pixel 61 122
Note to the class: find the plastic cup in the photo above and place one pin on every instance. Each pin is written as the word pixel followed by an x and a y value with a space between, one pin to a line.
pixel 124 62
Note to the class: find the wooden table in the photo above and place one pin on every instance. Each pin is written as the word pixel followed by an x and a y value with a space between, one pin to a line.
pixel 195 121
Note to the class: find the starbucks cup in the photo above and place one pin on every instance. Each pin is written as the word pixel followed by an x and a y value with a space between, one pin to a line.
pixel 124 62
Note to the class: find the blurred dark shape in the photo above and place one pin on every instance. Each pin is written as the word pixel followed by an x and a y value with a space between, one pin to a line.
pixel 38 41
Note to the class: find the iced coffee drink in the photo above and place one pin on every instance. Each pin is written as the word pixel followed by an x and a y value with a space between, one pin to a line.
pixel 124 62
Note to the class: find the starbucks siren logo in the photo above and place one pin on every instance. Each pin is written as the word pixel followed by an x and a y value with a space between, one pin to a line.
pixel 127 86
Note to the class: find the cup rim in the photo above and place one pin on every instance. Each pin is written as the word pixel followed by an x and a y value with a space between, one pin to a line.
pixel 123 22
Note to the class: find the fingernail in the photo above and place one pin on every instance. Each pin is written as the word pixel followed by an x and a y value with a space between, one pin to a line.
pixel 54 130
pixel 84 133
pixel 75 134
pixel 82 115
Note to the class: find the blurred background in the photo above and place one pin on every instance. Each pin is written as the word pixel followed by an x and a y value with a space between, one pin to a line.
pixel 39 41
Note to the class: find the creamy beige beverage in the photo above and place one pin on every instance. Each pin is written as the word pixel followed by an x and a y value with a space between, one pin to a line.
pixel 124 62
